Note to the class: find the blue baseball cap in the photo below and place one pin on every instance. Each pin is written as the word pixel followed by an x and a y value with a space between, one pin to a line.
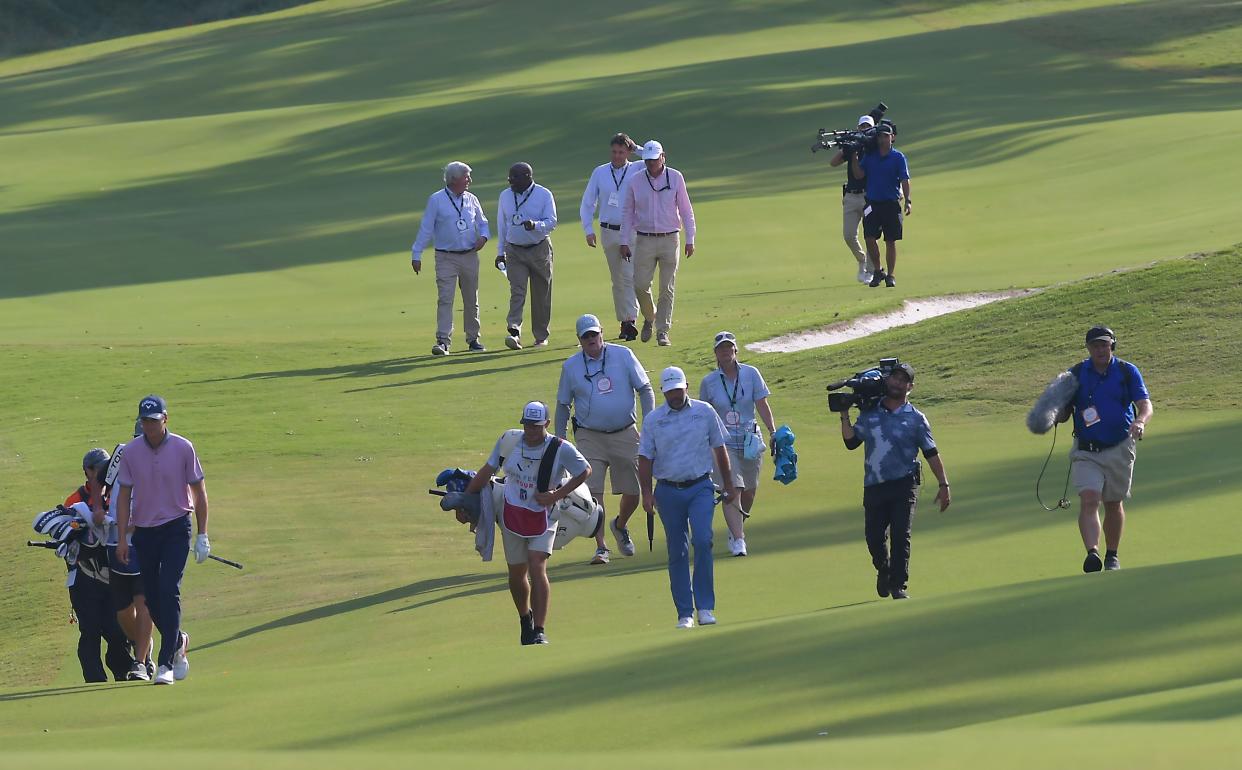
pixel 152 406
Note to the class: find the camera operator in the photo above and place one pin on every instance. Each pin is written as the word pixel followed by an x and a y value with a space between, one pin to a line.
pixel 893 432
pixel 887 177
pixel 853 201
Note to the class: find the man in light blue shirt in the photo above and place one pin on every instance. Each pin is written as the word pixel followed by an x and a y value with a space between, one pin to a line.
pixel 526 217
pixel 603 191
pixel 455 225
pixel 599 383
pixel 678 443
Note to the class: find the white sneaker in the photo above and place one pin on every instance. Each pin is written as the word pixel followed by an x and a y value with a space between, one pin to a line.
pixel 164 675
pixel 737 546
pixel 513 343
pixel 601 556
pixel 706 618
pixel 686 622
pixel 181 664
pixel 864 275
pixel 624 542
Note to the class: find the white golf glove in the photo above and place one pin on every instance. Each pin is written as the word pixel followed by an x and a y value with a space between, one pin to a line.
pixel 202 547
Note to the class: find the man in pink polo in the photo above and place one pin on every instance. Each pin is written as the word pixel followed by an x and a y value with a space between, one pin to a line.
pixel 654 208
pixel 159 471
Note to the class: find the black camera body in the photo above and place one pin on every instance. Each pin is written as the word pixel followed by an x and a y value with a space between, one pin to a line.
pixel 850 141
pixel 866 388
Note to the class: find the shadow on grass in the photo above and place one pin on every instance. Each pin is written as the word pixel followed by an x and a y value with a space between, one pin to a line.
pixel 67 690
pixel 908 667
pixel 355 181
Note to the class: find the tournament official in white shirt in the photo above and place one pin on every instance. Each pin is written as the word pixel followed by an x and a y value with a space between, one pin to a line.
pixel 526 217
pixel 455 224
pixel 654 209
pixel 603 192
pixel 599 383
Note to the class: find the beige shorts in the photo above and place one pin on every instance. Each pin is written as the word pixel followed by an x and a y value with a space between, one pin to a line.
pixel 1109 472
pixel 745 472
pixel 518 548
pixel 613 452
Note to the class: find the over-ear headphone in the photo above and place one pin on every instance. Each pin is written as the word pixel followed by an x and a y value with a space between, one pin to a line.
pixel 1102 332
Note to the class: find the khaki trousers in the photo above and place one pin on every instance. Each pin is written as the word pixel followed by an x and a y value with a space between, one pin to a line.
pixel 852 205
pixel 649 252
pixel 454 271
pixel 533 265
pixel 624 301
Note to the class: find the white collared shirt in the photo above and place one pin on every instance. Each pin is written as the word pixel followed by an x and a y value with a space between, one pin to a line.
pixel 536 205
pixel 440 227
pixel 603 190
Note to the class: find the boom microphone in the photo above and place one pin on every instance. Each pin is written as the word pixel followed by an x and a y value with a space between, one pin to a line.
pixel 1055 398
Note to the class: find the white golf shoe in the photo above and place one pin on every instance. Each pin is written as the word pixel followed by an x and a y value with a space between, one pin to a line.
pixel 706 618
pixel 737 546
pixel 164 675
pixel 686 622
pixel 181 664
pixel 864 275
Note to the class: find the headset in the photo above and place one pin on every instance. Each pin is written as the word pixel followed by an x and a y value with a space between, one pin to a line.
pixel 1096 332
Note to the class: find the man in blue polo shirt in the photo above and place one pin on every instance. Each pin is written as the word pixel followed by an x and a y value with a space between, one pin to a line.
pixel 679 441
pixel 599 383
pixel 1106 427
pixel 894 432
pixel 888 180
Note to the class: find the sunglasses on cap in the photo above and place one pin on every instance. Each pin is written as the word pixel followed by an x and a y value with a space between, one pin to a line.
pixel 725 337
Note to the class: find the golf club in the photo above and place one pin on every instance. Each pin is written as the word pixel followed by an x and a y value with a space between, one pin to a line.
pixel 224 561
pixel 42 544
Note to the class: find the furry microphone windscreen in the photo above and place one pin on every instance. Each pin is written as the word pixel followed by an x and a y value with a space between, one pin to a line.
pixel 1059 393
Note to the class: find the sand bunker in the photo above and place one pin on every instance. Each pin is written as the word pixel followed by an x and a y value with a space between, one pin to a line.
pixel 912 311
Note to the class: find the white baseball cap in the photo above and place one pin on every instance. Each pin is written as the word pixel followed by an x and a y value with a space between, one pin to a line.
pixel 535 413
pixel 587 323
pixel 725 338
pixel 672 378
pixel 866 119
pixel 652 150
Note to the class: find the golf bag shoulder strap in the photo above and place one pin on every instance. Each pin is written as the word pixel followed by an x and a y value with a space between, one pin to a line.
pixel 545 465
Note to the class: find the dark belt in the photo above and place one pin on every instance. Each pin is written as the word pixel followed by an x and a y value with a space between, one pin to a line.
pixel 847 191
pixel 1095 446
pixel 686 484
pixel 607 226
pixel 657 235
pixel 626 426
pixel 525 245
pixel 456 251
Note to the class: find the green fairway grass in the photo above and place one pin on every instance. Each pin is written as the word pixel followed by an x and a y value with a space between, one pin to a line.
pixel 222 214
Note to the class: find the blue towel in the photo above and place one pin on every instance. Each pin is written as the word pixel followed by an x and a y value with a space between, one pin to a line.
pixel 786 460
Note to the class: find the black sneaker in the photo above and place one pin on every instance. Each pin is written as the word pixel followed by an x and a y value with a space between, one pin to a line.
pixel 528 629
pixel 540 637
pixel 900 593
pixel 629 332
pixel 138 672
pixel 881 583
pixel 890 281
pixel 1111 563
pixel 876 278
pixel 1092 563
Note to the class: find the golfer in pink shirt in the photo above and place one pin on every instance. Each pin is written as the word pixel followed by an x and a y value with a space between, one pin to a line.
pixel 158 472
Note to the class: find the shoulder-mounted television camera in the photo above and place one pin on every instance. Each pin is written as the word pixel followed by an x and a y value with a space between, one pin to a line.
pixel 866 388
pixel 853 140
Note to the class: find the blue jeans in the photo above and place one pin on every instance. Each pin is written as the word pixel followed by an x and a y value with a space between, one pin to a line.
pixel 687 518
pixel 162 553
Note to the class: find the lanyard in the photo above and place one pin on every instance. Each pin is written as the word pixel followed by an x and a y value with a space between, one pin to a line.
pixel 667 183
pixel 456 208
pixel 625 170
pixel 517 204
pixel 603 362
pixel 736 384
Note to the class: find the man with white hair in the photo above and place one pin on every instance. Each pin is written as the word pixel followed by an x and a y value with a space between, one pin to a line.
pixel 654 208
pixel 455 225
pixel 679 441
